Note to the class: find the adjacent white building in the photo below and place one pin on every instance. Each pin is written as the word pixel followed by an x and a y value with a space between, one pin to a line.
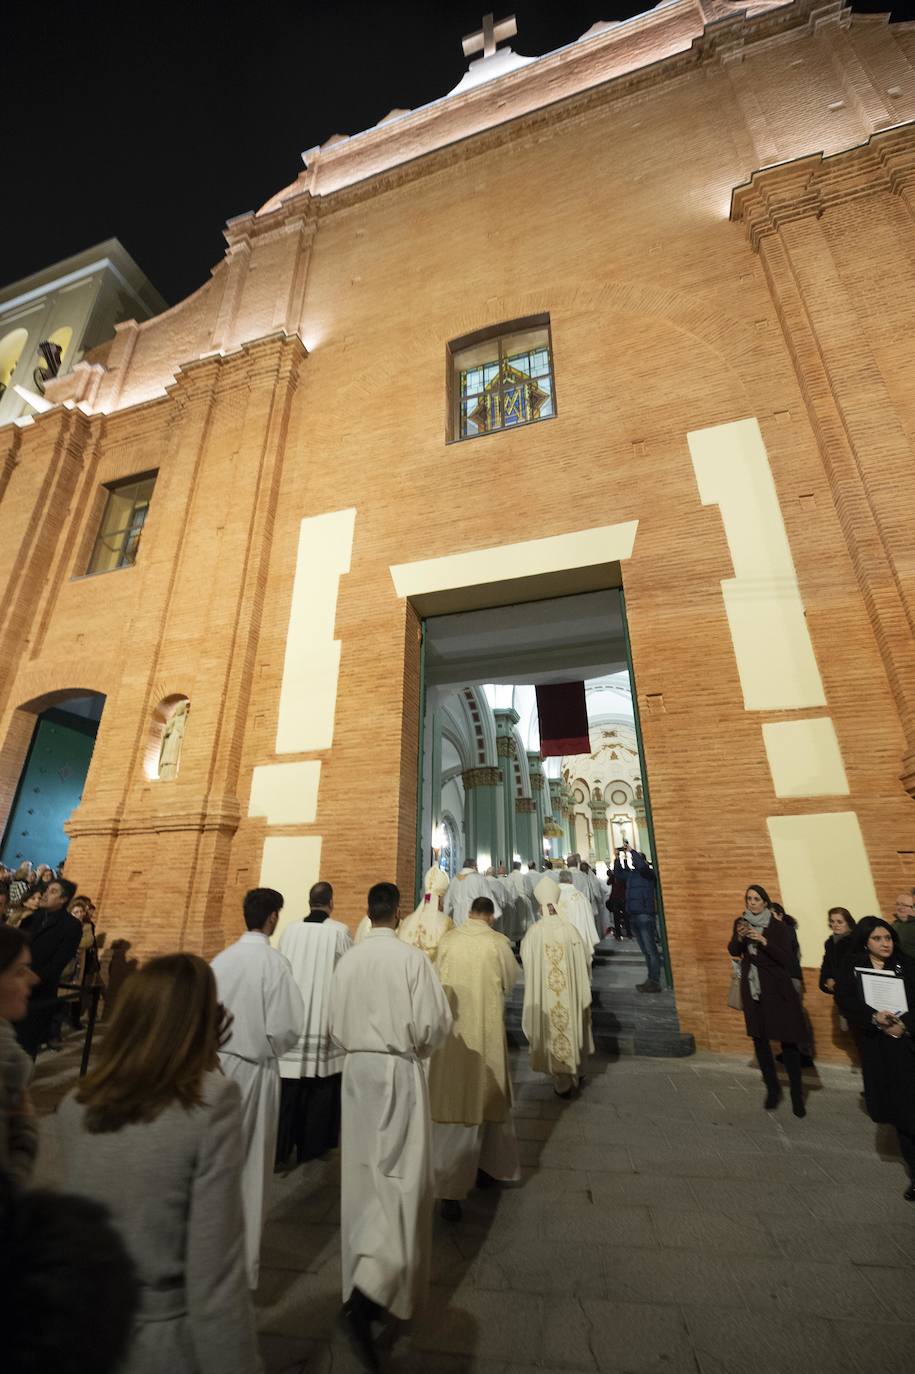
pixel 75 305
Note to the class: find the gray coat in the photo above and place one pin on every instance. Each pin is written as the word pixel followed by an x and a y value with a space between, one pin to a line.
pixel 18 1132
pixel 173 1187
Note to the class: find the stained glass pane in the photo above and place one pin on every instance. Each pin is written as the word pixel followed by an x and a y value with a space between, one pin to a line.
pixel 498 395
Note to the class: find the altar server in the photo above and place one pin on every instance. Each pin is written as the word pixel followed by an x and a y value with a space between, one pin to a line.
pixel 469 1081
pixel 311 1068
pixel 388 1013
pixel 256 986
pixel 428 923
pixel 557 994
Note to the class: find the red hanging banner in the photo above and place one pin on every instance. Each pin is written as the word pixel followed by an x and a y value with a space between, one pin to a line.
pixel 563 719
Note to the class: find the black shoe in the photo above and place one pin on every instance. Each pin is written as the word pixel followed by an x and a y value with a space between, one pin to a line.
pixel 451 1210
pixel 798 1108
pixel 909 1193
pixel 356 1319
pixel 773 1097
pixel 484 1180
pixel 650 986
pixel 53 1045
pixel 565 1096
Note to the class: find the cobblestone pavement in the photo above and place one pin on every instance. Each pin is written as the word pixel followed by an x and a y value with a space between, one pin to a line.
pixel 665 1224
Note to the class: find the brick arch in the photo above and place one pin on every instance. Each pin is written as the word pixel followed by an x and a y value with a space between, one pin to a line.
pixel 74 675
pixel 731 338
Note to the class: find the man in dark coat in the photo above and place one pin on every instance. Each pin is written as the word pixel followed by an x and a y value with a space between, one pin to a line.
pixel 54 937
pixel 641 909
pixel 616 902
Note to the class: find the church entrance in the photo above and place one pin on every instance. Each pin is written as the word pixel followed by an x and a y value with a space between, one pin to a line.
pixel 52 780
pixel 532 753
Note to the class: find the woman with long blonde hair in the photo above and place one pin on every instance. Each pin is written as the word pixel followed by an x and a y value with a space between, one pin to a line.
pixel 155 1133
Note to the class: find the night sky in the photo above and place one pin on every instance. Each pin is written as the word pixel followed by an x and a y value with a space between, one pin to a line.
pixel 155 124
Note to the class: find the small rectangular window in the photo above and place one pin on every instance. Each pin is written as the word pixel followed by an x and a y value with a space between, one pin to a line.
pixel 502 379
pixel 122 524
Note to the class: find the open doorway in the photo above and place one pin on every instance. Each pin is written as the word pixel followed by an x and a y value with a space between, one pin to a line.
pixel 52 780
pixel 493 791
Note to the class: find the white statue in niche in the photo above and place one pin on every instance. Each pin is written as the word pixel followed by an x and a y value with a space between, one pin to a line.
pixel 172 739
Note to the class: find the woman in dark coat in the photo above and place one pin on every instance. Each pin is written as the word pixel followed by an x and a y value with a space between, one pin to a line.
pixel 841 923
pixel 885 1041
pixel 771 1005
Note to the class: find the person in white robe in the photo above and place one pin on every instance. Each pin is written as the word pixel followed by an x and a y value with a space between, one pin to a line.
pixel 425 927
pixel 311 1068
pixel 256 987
pixel 464 888
pixel 598 909
pixel 579 879
pixel 388 1013
pixel 522 901
pixel 556 1018
pixel 473 1137
pixel 576 908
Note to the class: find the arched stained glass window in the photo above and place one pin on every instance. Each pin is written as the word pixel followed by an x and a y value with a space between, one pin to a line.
pixel 503 379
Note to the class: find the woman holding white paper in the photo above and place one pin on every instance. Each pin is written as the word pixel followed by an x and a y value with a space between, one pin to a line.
pixel 875 968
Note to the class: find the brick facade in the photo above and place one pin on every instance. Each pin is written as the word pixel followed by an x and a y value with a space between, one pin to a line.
pixel 688 285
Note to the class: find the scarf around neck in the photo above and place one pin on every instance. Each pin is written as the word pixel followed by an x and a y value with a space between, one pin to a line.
pixel 758 920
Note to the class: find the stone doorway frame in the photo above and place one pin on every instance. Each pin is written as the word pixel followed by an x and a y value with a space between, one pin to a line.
pixel 587 560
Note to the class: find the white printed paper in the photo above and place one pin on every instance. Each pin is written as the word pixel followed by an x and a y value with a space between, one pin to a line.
pixel 883 992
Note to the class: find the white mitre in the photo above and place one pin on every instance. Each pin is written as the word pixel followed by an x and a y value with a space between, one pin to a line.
pixel 436 881
pixel 547 894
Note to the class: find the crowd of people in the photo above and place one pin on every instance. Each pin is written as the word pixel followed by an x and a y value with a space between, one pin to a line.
pixel 881 1016
pixel 391 1044
pixel 61 927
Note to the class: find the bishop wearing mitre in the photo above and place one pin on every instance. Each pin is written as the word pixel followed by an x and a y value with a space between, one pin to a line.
pixel 557 993
pixel 469 1081
pixel 426 926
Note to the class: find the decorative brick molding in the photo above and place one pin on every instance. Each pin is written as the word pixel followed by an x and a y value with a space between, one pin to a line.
pixel 526 805
pixel 810 186
pixel 505 747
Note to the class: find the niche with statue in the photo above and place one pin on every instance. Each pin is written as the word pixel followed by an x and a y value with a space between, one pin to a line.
pixel 163 755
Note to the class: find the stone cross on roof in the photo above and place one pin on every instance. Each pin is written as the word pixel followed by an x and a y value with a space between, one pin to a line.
pixel 486 40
